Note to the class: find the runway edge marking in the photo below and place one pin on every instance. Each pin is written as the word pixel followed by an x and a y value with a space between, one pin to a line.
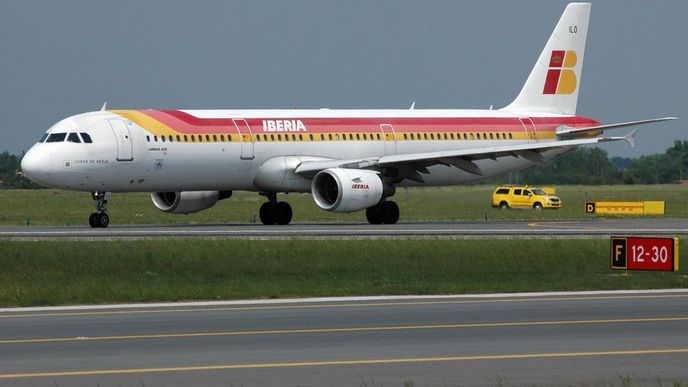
pixel 342 299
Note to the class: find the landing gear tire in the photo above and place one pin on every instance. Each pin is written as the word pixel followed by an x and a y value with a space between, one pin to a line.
pixel 92 220
pixel 386 212
pixel 283 213
pixel 268 214
pixel 374 214
pixel 390 212
pixel 97 220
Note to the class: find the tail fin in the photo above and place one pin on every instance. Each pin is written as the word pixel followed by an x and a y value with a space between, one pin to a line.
pixel 552 86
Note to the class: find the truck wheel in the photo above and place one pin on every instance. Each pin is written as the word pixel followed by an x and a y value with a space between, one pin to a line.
pixel 504 205
pixel 537 206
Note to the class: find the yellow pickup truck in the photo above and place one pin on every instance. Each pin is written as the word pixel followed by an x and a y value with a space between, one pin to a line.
pixel 507 196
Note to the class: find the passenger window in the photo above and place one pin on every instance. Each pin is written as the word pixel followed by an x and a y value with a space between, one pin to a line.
pixel 465 136
pixel 330 136
pixel 503 191
pixel 300 137
pixel 200 138
pixel 73 137
pixel 222 137
pixel 510 136
pixel 193 138
pixel 365 136
pixel 310 136
pixel 425 135
pixel 517 191
pixel 147 138
pixel 186 138
pixel 215 137
pixel 178 138
pixel 279 137
pixel 472 136
pixel 86 138
pixel 491 136
pixel 527 193
pixel 207 138
pixel 432 136
pixel 155 138
pixel 162 138
pixel 56 137
pixel 378 136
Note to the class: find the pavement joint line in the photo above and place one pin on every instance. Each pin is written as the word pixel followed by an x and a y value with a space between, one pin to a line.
pixel 683 293
pixel 219 367
pixel 344 330
pixel 312 300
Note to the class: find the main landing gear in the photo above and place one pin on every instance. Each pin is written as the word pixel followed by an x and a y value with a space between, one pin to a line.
pixel 386 212
pixel 274 212
pixel 99 219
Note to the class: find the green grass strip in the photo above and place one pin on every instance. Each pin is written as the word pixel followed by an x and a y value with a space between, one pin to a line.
pixel 78 272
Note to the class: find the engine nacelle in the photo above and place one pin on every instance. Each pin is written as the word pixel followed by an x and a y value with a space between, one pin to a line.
pixel 187 202
pixel 346 190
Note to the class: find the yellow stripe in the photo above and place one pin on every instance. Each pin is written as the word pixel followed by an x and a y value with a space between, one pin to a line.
pixel 352 305
pixel 350 362
pixel 343 330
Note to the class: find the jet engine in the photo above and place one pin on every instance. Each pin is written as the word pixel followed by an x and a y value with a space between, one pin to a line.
pixel 187 202
pixel 347 190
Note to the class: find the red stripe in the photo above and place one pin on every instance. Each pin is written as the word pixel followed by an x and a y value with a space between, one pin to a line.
pixel 187 124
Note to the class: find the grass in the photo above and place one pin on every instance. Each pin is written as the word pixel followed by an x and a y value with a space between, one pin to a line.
pixel 77 272
pixel 47 207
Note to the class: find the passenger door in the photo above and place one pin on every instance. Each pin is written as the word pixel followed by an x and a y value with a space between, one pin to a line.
pixel 125 149
pixel 389 139
pixel 246 138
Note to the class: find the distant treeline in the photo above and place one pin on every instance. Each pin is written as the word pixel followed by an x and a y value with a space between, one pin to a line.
pixel 9 178
pixel 592 166
pixel 585 166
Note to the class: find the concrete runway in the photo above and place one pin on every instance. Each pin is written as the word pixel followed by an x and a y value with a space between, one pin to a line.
pixel 546 339
pixel 532 229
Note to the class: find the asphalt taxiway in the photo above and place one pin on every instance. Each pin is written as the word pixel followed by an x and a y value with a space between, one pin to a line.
pixel 545 339
pixel 530 229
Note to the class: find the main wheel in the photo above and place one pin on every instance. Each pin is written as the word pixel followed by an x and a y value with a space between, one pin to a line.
pixel 283 213
pixel 390 212
pixel 374 214
pixel 268 213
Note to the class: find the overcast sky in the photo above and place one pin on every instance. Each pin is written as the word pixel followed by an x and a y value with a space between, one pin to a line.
pixel 60 58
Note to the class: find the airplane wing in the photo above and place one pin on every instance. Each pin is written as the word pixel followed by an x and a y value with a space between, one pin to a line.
pixel 416 163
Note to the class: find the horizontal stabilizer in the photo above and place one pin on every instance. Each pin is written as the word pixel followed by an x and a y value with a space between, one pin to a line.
pixel 569 132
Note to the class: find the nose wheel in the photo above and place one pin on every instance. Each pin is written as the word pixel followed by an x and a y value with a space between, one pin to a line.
pixel 100 219
pixel 274 212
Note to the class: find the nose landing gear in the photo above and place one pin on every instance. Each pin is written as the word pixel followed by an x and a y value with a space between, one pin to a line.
pixel 274 212
pixel 100 219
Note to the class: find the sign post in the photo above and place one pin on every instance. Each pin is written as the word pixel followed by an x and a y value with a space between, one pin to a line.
pixel 642 253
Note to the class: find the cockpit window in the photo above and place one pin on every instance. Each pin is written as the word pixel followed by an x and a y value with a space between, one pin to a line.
pixel 73 137
pixel 86 137
pixel 45 135
pixel 56 137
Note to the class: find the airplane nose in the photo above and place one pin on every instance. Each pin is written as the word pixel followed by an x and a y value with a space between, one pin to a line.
pixel 35 165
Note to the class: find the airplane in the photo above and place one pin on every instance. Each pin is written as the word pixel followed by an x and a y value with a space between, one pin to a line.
pixel 349 160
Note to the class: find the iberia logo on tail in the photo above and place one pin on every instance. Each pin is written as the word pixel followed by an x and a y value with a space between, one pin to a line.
pixel 561 79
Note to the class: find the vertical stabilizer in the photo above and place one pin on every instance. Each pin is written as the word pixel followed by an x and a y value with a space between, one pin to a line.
pixel 553 84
